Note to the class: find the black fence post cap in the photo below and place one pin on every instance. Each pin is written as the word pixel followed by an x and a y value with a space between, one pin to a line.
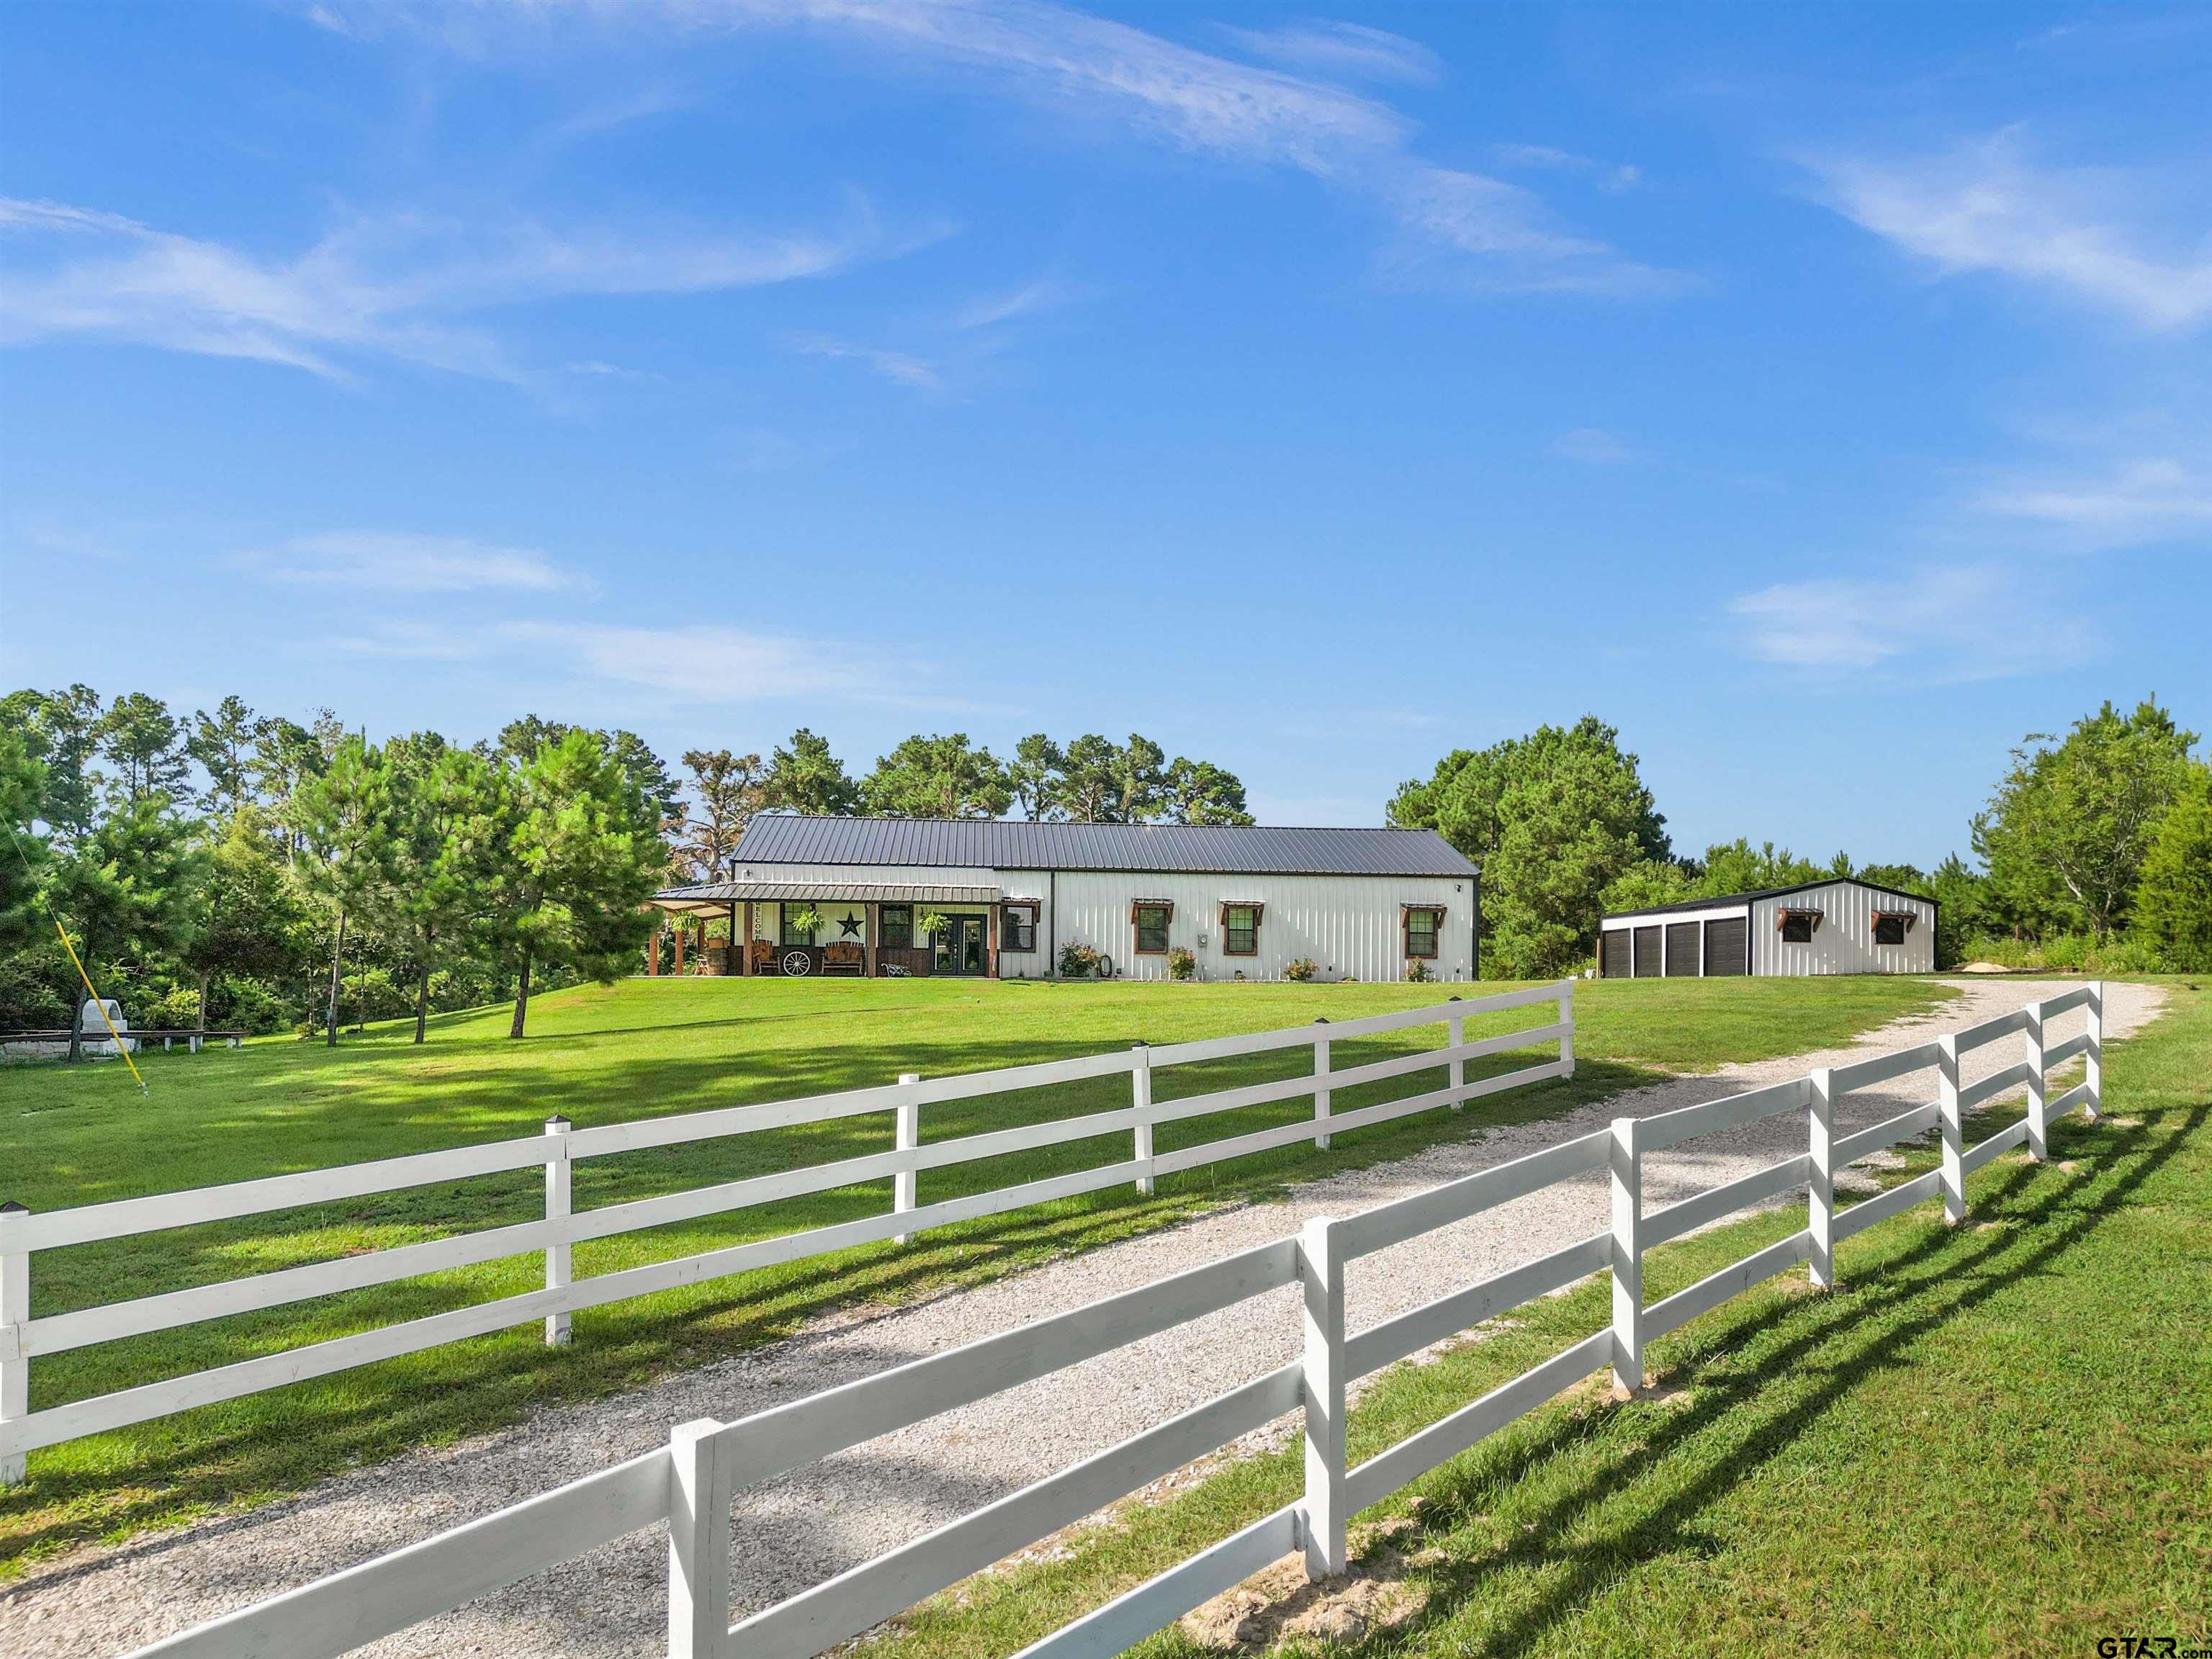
pixel 11 1207
pixel 1321 1019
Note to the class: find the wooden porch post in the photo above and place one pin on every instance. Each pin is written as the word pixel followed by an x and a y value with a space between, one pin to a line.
pixel 652 949
pixel 728 965
pixel 682 928
pixel 748 968
pixel 875 934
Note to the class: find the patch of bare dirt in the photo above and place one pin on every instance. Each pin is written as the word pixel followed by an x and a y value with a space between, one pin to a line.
pixel 1279 1604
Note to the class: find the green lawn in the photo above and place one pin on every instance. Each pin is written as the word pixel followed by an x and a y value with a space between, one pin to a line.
pixel 643 1048
pixel 1996 1440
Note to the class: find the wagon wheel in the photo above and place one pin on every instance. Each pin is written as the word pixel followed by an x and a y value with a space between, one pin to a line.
pixel 797 964
pixel 1105 968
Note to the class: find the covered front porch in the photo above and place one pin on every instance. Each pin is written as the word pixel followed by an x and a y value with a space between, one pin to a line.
pixel 798 930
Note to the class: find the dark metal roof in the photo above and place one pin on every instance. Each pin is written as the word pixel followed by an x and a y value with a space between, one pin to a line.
pixel 716 893
pixel 1724 900
pixel 1001 844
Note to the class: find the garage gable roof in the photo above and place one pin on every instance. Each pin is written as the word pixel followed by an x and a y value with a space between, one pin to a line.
pixel 1725 901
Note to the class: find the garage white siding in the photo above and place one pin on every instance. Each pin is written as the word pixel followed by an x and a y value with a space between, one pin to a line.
pixel 1844 942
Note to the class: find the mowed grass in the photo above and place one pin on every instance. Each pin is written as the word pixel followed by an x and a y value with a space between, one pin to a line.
pixel 642 1049
pixel 1996 1440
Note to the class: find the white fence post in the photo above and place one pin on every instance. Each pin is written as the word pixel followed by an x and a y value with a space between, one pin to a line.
pixel 14 1314
pixel 1140 1095
pixel 699 1497
pixel 1627 1169
pixel 1454 1034
pixel 1322 1527
pixel 559 1264
pixel 1321 1085
pixel 1820 1190
pixel 1567 1019
pixel 2038 1093
pixel 906 1137
pixel 1954 1131
pixel 2095 1078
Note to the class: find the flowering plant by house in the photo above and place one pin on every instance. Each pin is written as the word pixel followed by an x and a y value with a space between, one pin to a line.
pixel 1181 963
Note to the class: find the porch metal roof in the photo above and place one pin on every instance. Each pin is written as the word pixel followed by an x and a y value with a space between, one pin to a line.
pixel 716 895
pixel 1158 849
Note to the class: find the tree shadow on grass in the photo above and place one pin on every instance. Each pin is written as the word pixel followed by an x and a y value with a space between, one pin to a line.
pixel 1844 1339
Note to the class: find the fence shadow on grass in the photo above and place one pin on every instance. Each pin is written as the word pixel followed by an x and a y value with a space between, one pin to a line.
pixel 1846 1336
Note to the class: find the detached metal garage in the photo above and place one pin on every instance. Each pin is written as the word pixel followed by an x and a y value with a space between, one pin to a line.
pixel 1840 925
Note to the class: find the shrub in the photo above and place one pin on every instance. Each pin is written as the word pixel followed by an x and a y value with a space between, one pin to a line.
pixel 1417 973
pixel 1300 969
pixel 1076 960
pixel 179 1010
pixel 1181 964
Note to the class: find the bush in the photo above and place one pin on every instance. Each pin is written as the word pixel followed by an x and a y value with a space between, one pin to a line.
pixel 177 1010
pixel 1077 961
pixel 1300 969
pixel 1417 973
pixel 1181 964
pixel 29 998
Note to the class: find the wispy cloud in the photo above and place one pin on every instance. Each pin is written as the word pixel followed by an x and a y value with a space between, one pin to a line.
pixel 1594 447
pixel 1944 624
pixel 1113 74
pixel 398 286
pixel 2099 234
pixel 705 664
pixel 1612 176
pixel 406 564
pixel 1042 295
pixel 900 366
pixel 1346 51
pixel 2133 501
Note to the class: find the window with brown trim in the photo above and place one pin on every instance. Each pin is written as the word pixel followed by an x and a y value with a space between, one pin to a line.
pixel 1151 923
pixel 1421 926
pixel 1240 930
pixel 1797 926
pixel 1890 925
pixel 898 924
pixel 1018 932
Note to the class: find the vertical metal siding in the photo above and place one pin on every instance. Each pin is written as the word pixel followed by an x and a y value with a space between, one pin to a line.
pixel 1349 924
pixel 1844 942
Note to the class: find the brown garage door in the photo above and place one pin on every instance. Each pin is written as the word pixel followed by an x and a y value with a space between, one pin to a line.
pixel 1724 947
pixel 1647 953
pixel 1613 960
pixel 1682 950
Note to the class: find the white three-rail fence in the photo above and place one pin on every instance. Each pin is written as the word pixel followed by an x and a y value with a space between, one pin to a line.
pixel 23 1338
pixel 690 1484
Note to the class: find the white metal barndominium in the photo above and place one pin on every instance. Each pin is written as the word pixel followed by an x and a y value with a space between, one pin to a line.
pixel 690 1484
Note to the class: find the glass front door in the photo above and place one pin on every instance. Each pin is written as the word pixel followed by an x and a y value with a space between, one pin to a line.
pixel 963 947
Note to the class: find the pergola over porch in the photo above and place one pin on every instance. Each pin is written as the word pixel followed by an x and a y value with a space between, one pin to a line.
pixel 741 901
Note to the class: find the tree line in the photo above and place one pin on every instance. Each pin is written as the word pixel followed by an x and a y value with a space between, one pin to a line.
pixel 1092 780
pixel 2094 849
pixel 230 869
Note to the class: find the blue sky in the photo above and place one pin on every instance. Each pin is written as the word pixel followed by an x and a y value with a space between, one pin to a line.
pixel 1823 396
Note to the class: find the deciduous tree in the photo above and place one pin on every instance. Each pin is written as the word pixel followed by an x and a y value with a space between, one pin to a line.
pixel 1553 819
pixel 2067 831
pixel 2174 895
pixel 128 890
pixel 1034 775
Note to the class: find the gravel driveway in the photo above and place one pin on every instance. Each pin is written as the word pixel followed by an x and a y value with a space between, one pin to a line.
pixel 804 1528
